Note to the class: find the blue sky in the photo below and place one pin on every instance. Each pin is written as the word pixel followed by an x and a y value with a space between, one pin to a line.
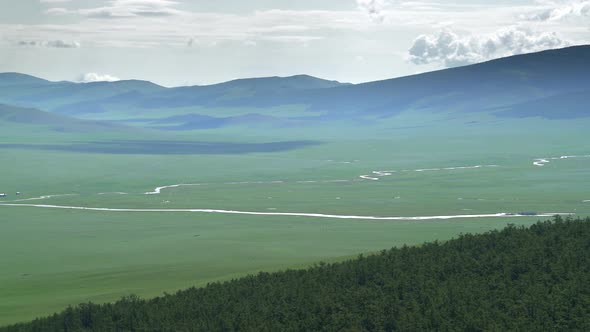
pixel 181 42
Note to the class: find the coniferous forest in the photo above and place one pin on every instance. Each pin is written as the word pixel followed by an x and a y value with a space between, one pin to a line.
pixel 534 279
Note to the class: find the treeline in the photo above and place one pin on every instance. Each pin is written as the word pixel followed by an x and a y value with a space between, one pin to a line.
pixel 518 279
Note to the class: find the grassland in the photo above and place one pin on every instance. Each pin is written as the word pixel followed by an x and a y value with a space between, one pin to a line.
pixel 59 258
pixel 53 258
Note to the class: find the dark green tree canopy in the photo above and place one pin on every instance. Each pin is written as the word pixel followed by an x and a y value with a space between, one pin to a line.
pixel 517 279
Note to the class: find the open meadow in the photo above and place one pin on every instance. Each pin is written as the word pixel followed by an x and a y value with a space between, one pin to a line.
pixel 54 257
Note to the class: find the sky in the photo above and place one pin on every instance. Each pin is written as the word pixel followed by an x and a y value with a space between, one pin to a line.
pixel 197 42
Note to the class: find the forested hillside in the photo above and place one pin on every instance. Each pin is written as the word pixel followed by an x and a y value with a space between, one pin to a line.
pixel 533 279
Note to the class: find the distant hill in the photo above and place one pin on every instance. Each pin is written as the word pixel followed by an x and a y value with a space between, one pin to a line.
pixel 12 79
pixel 502 82
pixel 516 86
pixel 516 279
pixel 570 105
pixel 88 91
pixel 30 116
pixel 505 82
pixel 27 91
pixel 275 83
pixel 242 92
pixel 86 98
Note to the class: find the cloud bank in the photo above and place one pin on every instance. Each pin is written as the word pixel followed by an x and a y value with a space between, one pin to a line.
pixel 450 49
pixel 124 9
pixel 94 77
pixel 560 11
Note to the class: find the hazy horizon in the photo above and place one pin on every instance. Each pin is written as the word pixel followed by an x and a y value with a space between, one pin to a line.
pixel 181 42
pixel 270 76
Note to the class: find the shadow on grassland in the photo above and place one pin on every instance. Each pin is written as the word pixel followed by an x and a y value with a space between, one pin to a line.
pixel 153 147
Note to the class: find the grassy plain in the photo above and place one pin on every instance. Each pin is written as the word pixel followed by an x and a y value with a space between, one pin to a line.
pixel 56 258
pixel 52 258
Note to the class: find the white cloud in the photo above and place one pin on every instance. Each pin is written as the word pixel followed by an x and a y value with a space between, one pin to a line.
pixel 54 1
pixel 94 77
pixel 62 44
pixel 560 10
pixel 57 11
pixel 58 43
pixel 451 49
pixel 374 8
pixel 28 43
pixel 124 9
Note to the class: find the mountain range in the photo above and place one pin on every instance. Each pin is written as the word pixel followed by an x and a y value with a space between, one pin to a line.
pixel 552 84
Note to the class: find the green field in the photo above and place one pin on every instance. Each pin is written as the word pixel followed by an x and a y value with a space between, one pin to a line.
pixel 52 258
